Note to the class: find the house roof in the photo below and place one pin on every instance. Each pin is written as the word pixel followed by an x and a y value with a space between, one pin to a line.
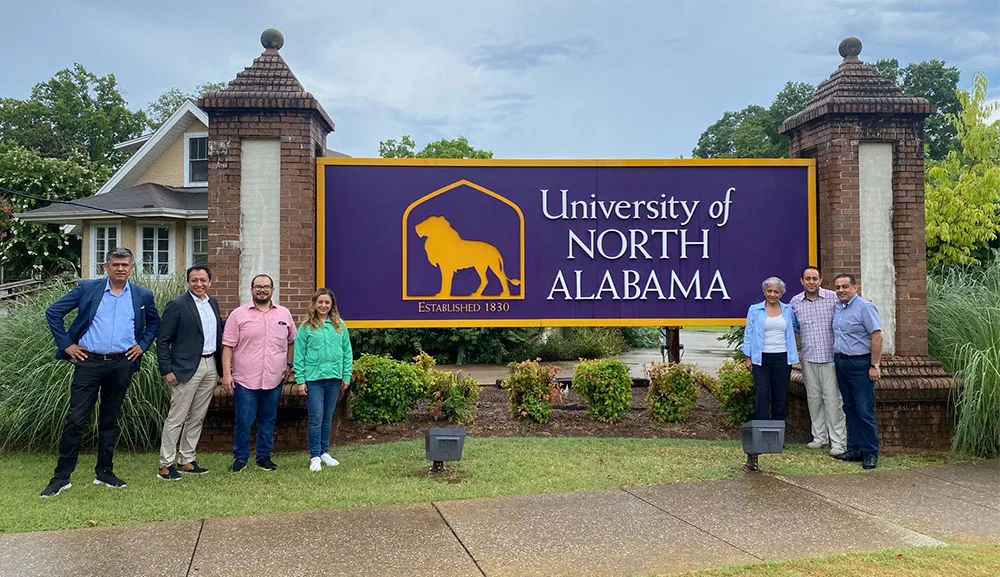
pixel 855 88
pixel 147 200
pixel 154 146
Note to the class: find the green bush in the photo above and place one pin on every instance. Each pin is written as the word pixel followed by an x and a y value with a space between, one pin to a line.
pixel 594 342
pixel 448 346
pixel 734 341
pixel 606 385
pixel 531 388
pixel 735 392
pixel 35 387
pixel 384 390
pixel 673 391
pixel 451 397
pixel 963 310
pixel 641 337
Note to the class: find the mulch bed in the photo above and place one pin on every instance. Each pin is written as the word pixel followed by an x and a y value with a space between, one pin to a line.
pixel 568 420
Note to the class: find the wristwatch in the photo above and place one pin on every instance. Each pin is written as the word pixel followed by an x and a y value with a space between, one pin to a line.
pixel 876 367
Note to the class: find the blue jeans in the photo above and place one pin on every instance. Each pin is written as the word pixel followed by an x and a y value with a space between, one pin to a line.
pixel 858 392
pixel 321 400
pixel 251 405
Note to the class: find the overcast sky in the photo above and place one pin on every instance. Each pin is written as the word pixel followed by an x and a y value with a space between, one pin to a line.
pixel 524 78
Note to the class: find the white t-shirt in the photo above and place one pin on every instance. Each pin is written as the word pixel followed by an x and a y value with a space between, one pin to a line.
pixel 774 335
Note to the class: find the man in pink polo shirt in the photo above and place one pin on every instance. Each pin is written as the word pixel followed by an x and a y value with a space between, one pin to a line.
pixel 257 353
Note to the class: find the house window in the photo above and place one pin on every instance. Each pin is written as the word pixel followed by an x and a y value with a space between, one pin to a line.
pixel 156 259
pixel 199 245
pixel 196 160
pixel 104 237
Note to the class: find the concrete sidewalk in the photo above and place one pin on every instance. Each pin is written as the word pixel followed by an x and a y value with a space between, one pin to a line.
pixel 632 530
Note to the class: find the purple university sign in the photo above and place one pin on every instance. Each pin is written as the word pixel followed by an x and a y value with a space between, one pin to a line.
pixel 460 243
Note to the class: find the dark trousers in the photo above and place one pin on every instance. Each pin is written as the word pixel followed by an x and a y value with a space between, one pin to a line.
pixel 858 392
pixel 93 378
pixel 770 379
pixel 251 405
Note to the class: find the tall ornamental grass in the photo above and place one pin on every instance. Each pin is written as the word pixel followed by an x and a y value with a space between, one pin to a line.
pixel 34 386
pixel 963 307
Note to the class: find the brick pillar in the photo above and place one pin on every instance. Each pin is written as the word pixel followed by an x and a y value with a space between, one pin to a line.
pixel 867 139
pixel 266 117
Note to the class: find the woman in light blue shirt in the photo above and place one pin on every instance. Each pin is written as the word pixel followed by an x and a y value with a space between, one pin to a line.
pixel 769 346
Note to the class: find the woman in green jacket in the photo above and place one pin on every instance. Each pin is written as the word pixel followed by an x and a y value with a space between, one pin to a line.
pixel 323 360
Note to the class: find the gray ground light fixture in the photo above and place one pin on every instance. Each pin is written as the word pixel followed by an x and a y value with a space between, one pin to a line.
pixel 443 444
pixel 762 436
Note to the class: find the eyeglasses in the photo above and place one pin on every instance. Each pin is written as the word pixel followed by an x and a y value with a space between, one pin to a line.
pixel 262 287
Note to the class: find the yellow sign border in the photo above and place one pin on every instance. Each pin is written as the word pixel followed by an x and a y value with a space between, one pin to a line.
pixel 323 162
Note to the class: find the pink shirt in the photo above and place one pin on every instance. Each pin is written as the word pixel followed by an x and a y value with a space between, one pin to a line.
pixel 260 341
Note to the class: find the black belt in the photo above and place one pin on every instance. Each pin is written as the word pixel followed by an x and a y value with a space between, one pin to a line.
pixel 106 356
pixel 843 356
pixel 208 356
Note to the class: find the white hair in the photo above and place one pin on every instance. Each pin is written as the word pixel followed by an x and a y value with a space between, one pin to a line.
pixel 773 281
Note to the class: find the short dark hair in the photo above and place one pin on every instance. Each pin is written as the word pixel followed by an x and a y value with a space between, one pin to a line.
pixel 847 276
pixel 191 269
pixel 257 276
pixel 119 252
pixel 809 268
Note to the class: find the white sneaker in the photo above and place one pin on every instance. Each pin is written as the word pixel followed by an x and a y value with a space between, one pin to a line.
pixel 328 460
pixel 834 451
pixel 815 445
pixel 314 464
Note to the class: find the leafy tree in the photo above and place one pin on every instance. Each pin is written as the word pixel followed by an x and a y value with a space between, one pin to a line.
pixel 937 83
pixel 963 190
pixel 31 248
pixel 167 103
pixel 455 148
pixel 753 131
pixel 74 113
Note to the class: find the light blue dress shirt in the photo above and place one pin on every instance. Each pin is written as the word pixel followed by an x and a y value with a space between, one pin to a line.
pixel 113 327
pixel 853 325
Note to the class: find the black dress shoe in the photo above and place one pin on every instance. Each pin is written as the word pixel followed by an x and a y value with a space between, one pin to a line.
pixel 850 456
pixel 869 461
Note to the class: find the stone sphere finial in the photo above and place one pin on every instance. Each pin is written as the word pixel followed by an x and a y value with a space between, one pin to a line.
pixel 850 47
pixel 272 38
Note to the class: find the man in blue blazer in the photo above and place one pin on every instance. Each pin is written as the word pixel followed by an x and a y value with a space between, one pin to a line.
pixel 116 322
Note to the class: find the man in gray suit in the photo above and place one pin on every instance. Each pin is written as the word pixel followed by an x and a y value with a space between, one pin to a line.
pixel 189 347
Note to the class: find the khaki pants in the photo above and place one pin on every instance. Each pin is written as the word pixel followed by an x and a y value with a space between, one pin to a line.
pixel 188 405
pixel 826 408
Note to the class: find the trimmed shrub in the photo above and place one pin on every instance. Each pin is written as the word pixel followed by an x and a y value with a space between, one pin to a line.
pixel 704 379
pixel 35 387
pixel 453 398
pixel 384 390
pixel 606 385
pixel 672 391
pixel 735 392
pixel 641 337
pixel 460 346
pixel 531 388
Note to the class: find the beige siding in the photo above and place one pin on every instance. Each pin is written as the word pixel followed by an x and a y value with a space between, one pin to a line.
pixel 180 247
pixel 168 169
pixel 85 251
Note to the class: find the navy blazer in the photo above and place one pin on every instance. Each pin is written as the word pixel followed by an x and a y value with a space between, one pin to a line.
pixel 86 297
pixel 182 338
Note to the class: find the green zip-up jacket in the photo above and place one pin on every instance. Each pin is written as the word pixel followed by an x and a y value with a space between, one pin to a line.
pixel 322 353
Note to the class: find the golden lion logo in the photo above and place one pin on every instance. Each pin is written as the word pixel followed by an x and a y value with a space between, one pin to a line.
pixel 448 251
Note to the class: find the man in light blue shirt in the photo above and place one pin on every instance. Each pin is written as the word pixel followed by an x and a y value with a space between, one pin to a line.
pixel 116 322
pixel 857 346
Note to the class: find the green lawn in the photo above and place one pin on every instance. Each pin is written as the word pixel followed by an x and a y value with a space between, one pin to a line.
pixel 951 561
pixel 381 474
